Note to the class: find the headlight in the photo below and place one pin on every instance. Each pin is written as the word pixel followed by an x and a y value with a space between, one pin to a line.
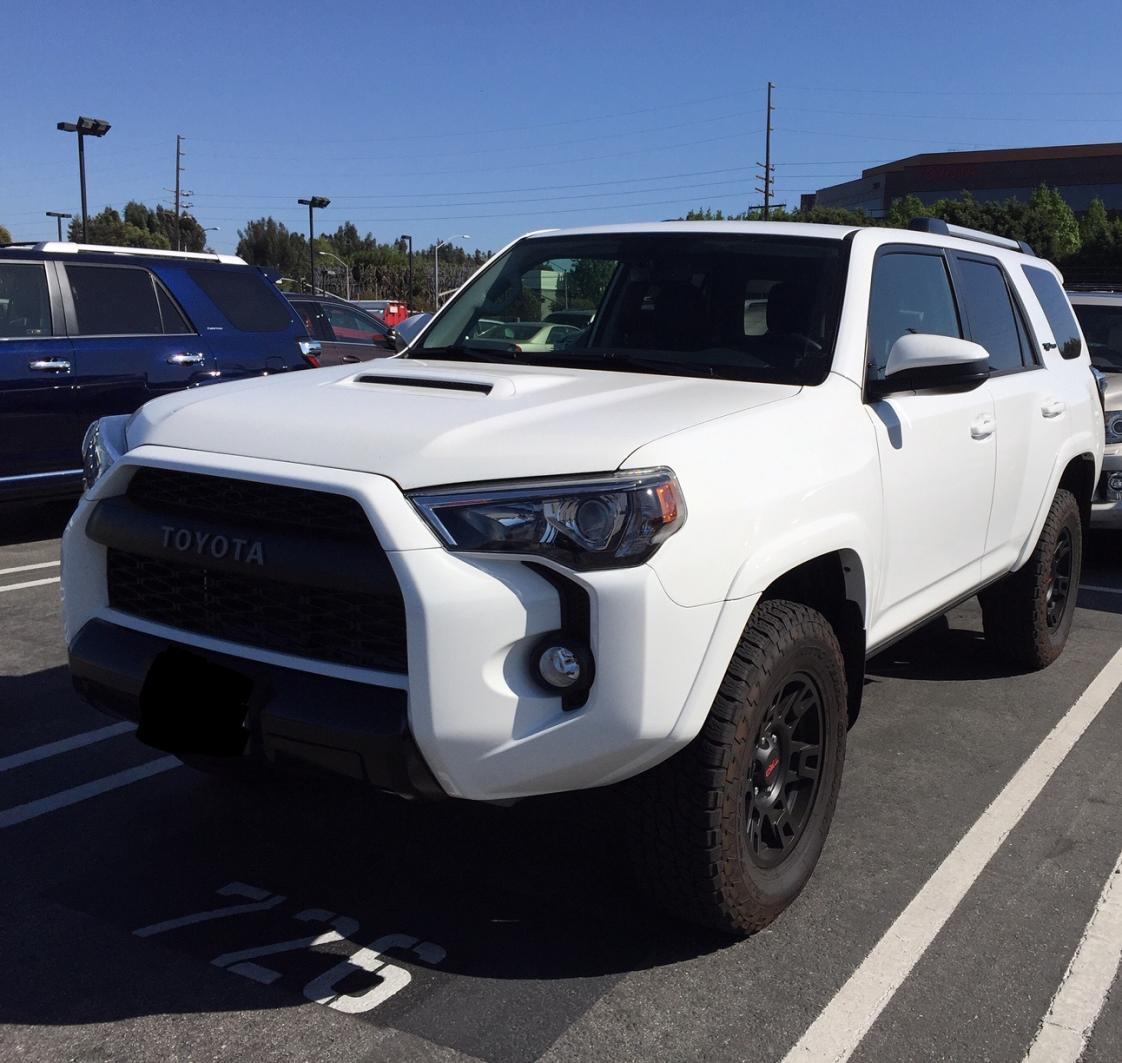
pixel 611 521
pixel 1114 426
pixel 103 444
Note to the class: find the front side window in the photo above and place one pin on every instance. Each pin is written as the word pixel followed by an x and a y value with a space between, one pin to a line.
pixel 1056 309
pixel 25 303
pixel 350 326
pixel 911 293
pixel 679 303
pixel 989 312
pixel 114 301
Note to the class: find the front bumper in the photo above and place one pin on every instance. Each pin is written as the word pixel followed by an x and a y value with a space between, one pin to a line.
pixel 483 726
pixel 1106 512
pixel 191 701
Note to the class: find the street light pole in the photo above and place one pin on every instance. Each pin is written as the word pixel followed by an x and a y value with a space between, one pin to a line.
pixel 436 267
pixel 407 236
pixel 346 269
pixel 312 204
pixel 58 216
pixel 84 127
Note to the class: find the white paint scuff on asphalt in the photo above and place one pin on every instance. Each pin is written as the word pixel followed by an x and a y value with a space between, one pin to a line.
pixel 33 809
pixel 29 583
pixel 1075 1008
pixel 29 568
pixel 64 745
pixel 842 1025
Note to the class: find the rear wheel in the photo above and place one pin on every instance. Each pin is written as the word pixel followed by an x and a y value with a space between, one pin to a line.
pixel 728 831
pixel 1027 616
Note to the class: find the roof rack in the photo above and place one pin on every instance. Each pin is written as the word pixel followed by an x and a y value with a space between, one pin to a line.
pixel 105 249
pixel 942 228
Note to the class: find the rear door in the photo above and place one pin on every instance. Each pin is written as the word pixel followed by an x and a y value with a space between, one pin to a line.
pixel 40 431
pixel 131 340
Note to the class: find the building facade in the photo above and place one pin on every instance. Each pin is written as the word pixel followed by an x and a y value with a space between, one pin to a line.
pixel 1080 172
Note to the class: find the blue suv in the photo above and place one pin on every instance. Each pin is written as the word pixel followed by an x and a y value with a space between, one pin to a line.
pixel 88 331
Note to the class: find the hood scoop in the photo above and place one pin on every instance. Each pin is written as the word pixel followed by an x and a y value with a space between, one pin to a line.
pixel 404 381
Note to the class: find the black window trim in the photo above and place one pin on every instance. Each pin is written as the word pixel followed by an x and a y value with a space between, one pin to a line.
pixel 904 249
pixel 53 297
pixel 1015 304
pixel 71 311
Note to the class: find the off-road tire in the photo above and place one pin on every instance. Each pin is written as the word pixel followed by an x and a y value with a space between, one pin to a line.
pixel 692 814
pixel 1016 611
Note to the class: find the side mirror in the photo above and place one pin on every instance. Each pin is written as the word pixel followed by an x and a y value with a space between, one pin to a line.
pixel 926 362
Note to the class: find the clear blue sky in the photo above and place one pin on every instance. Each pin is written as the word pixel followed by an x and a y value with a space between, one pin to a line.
pixel 492 118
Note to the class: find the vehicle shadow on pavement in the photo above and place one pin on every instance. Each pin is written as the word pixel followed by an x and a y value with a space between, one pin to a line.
pixel 939 651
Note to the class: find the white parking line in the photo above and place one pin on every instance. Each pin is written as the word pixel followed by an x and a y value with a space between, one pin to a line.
pixel 64 745
pixel 1075 1008
pixel 29 583
pixel 843 1023
pixel 22 813
pixel 29 568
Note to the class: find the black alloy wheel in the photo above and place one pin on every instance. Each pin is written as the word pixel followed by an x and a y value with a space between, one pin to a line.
pixel 1059 582
pixel 784 771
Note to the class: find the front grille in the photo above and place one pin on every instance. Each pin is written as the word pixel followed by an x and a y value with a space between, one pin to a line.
pixel 216 496
pixel 347 627
pixel 295 615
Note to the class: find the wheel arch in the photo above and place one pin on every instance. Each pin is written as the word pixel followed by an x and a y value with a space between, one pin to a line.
pixel 1078 477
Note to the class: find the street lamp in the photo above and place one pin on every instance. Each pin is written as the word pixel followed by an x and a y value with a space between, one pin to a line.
pixel 346 270
pixel 84 127
pixel 436 266
pixel 58 216
pixel 407 236
pixel 312 204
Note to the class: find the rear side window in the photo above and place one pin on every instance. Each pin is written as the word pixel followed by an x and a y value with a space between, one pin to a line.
pixel 989 312
pixel 350 326
pixel 911 293
pixel 114 301
pixel 25 304
pixel 245 299
pixel 175 324
pixel 1053 301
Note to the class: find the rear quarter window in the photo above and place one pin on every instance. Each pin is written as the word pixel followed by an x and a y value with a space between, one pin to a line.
pixel 245 298
pixel 1057 309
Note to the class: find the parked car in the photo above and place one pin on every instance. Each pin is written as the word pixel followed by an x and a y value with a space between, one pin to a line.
pixel 391 311
pixel 655 559
pixel 345 333
pixel 90 331
pixel 1100 316
pixel 578 318
pixel 409 329
pixel 529 335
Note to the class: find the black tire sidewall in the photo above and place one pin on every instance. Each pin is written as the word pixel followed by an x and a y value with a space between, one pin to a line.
pixel 1065 515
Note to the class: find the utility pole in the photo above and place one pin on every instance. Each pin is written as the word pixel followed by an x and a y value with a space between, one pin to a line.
pixel 768 176
pixel 178 171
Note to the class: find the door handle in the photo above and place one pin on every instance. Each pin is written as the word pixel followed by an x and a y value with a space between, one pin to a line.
pixel 982 428
pixel 186 358
pixel 1053 408
pixel 49 365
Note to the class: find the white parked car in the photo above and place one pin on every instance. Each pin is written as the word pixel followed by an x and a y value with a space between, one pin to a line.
pixel 1100 316
pixel 656 558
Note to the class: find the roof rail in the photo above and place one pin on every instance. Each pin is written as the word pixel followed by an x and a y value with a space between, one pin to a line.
pixel 943 228
pixel 106 249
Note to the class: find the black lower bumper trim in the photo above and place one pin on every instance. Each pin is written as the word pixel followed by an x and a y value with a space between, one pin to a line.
pixel 186 700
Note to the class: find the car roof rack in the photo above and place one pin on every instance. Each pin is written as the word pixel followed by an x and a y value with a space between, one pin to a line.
pixel 65 248
pixel 938 227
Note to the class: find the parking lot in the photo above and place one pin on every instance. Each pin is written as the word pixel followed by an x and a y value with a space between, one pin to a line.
pixel 153 912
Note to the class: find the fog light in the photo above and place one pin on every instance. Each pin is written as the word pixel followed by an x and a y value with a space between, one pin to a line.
pixel 562 665
pixel 1115 481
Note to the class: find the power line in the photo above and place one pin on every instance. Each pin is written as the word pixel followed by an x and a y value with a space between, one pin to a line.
pixel 953 117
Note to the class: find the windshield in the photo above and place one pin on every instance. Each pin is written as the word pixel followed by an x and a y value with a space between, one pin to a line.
pixel 732 305
pixel 1102 328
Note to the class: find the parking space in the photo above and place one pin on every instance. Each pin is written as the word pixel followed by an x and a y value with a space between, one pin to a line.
pixel 153 911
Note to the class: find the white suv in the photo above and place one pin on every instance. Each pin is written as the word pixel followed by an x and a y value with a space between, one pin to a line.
pixel 657 555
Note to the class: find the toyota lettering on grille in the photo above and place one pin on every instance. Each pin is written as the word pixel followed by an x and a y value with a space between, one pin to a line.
pixel 209 544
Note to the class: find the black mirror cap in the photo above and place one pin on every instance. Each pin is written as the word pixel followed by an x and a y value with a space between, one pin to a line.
pixel 958 376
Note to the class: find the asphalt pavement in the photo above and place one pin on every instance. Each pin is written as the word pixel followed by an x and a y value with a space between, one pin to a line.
pixel 152 912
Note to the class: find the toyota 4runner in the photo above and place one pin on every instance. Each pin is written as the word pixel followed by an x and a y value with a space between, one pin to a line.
pixel 655 553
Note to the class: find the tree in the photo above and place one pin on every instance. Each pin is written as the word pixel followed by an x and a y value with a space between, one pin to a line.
pixel 5 236
pixel 1050 225
pixel 267 242
pixel 108 227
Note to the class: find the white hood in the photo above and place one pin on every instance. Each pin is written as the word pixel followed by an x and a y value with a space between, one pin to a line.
pixel 425 423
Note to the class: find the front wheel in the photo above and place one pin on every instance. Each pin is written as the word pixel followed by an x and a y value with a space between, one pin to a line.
pixel 728 831
pixel 1028 614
